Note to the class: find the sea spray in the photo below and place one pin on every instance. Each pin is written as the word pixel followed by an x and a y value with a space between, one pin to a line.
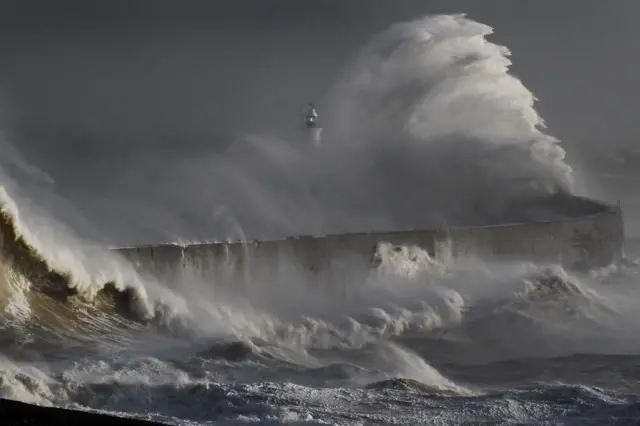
pixel 426 127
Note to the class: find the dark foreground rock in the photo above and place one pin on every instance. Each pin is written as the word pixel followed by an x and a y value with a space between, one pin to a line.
pixel 18 413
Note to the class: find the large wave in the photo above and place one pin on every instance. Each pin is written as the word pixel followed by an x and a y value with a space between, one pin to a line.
pixel 142 343
pixel 426 127
pixel 430 104
pixel 394 323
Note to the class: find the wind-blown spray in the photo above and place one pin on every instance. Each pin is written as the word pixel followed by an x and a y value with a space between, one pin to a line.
pixel 426 127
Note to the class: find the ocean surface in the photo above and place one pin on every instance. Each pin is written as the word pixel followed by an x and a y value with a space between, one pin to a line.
pixel 434 130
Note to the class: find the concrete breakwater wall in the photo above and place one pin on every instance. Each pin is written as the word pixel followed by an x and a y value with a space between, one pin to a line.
pixel 585 234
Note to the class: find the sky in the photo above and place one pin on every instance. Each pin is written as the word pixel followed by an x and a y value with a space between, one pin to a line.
pixel 213 67
pixel 86 87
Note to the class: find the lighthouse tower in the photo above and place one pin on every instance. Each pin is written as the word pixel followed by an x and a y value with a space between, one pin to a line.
pixel 311 124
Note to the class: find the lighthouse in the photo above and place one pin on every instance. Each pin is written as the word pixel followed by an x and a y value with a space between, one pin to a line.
pixel 311 123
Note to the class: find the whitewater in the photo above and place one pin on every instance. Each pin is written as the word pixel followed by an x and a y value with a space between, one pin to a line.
pixel 426 127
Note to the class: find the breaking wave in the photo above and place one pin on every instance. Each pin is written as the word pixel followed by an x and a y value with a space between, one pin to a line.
pixel 428 104
pixel 133 343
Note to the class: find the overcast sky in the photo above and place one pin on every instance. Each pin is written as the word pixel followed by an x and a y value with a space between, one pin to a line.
pixel 80 77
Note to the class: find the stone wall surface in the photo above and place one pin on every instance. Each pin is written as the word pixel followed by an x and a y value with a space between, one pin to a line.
pixel 589 234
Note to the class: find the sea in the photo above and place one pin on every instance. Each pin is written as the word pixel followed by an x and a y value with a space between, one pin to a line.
pixel 426 127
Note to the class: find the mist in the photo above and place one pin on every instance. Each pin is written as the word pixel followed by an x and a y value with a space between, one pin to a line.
pixel 127 123
pixel 128 109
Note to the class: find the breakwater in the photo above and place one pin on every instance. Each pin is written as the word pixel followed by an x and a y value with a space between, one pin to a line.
pixel 575 232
